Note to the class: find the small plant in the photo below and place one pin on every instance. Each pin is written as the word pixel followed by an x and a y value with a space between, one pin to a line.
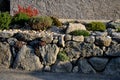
pixel 20 19
pixel 62 56
pixel 56 22
pixel 79 33
pixel 118 29
pixel 41 23
pixel 28 10
pixel 5 20
pixel 96 26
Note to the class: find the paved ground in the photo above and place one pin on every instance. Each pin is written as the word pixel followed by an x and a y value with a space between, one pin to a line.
pixel 24 75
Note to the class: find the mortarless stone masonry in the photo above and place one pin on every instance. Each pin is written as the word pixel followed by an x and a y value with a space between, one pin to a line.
pixel 75 9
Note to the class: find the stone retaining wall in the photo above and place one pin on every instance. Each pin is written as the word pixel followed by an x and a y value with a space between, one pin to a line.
pixel 55 50
pixel 77 9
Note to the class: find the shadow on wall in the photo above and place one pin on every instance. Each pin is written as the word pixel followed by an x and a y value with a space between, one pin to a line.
pixel 4 5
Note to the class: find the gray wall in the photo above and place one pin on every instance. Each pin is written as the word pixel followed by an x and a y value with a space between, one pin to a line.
pixel 80 9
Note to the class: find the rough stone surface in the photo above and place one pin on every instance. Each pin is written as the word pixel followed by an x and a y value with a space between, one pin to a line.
pixel 113 24
pixel 6 34
pixel 68 37
pixel 75 69
pixel 90 39
pixel 62 67
pixel 75 50
pixel 55 41
pixel 85 67
pixel 18 45
pixel 5 55
pixel 72 49
pixel 98 64
pixel 82 9
pixel 48 39
pixel 27 60
pixel 113 67
pixel 75 26
pixel 110 31
pixel 98 33
pixel 103 41
pixel 48 53
pixel 47 69
pixel 78 38
pixel 116 36
pixel 113 50
pixel 12 41
pixel 55 29
pixel 88 50
pixel 22 36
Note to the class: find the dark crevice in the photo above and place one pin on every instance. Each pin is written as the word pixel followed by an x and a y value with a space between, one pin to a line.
pixel 5 6
pixel 13 53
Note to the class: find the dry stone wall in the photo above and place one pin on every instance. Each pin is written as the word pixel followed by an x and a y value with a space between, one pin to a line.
pixel 55 50
pixel 79 9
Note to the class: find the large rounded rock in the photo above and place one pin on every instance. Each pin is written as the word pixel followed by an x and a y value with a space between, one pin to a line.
pixel 27 60
pixel 75 26
pixel 5 55
pixel 62 67
pixel 85 67
pixel 113 67
pixel 98 63
pixel 48 53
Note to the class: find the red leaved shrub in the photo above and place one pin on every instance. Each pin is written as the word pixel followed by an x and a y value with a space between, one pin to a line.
pixel 27 10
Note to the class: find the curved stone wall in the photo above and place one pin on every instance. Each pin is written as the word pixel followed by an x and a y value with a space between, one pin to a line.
pixel 79 9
